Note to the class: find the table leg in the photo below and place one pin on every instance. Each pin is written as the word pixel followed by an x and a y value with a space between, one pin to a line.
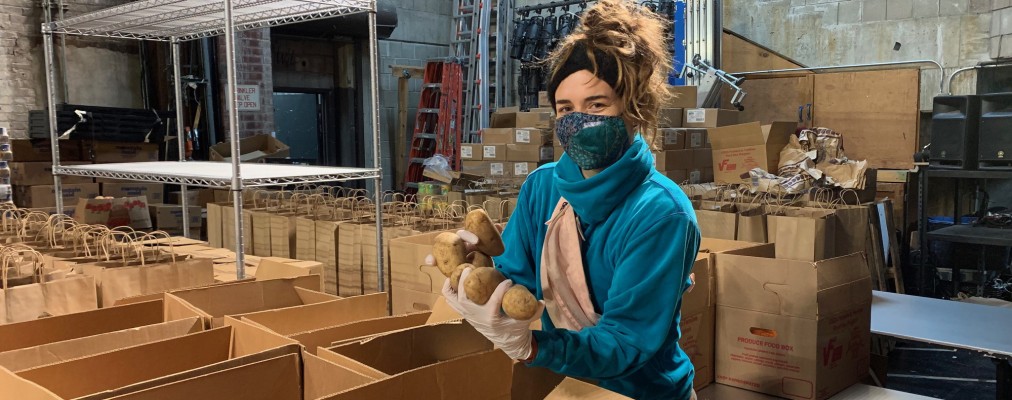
pixel 1004 379
pixel 982 267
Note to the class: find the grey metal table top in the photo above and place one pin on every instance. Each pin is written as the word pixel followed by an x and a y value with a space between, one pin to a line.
pixel 943 322
pixel 856 392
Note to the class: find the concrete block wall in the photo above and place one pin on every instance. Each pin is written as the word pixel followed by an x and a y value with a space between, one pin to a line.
pixel 422 33
pixel 956 33
pixel 1001 29
pixel 100 71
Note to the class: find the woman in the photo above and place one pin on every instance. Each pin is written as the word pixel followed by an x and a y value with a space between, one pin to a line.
pixel 604 239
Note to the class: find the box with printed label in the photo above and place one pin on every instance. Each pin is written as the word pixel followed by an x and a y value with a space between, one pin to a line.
pixel 670 160
pixel 523 152
pixel 807 339
pixel 493 152
pixel 170 216
pixel 709 117
pixel 41 173
pixel 524 168
pixel 671 138
pixel 670 117
pixel 26 150
pixel 498 136
pixel 117 152
pixel 696 138
pixel 739 148
pixel 682 97
pixel 44 196
pixel 521 120
pixel 547 153
pixel 497 169
pixel 702 158
pixel 154 192
pixel 479 168
pixel 531 136
pixel 678 176
pixel 471 152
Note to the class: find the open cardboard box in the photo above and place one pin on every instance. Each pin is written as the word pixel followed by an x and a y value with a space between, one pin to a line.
pixel 415 286
pixel 57 352
pixel 145 366
pixel 44 331
pixel 215 302
pixel 575 389
pixel 276 267
pixel 740 148
pixel 796 329
pixel 292 320
pixel 251 149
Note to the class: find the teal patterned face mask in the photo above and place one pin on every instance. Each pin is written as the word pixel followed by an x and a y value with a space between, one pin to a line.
pixel 592 141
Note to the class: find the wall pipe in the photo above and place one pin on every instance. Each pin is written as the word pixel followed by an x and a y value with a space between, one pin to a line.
pixel 948 83
pixel 941 79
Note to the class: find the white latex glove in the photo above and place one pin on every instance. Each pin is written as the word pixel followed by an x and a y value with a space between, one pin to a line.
pixel 512 336
pixel 470 240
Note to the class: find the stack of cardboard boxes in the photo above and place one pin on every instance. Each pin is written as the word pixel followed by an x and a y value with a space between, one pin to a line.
pixel 513 147
pixel 682 149
pixel 32 174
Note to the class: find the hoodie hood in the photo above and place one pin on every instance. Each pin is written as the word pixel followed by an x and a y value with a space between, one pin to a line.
pixel 594 199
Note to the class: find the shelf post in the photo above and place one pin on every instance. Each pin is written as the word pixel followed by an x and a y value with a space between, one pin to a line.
pixel 376 158
pixel 180 140
pixel 54 145
pixel 233 130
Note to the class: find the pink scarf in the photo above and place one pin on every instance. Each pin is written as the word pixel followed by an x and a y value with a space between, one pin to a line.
pixel 563 282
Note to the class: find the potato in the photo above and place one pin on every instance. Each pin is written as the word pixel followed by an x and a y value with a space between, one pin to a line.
pixel 449 250
pixel 489 241
pixel 480 284
pixel 519 303
pixel 455 276
pixel 479 259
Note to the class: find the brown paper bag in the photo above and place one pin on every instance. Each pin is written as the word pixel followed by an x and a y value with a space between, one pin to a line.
pixel 751 223
pixel 261 221
pixel 804 234
pixel 717 220
pixel 214 225
pixel 282 230
pixel 69 294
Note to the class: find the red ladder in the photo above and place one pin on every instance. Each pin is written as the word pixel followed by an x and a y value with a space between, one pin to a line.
pixel 438 121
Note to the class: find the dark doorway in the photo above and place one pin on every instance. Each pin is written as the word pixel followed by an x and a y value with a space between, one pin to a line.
pixel 303 122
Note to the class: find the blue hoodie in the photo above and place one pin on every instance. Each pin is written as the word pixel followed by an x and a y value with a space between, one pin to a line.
pixel 641 242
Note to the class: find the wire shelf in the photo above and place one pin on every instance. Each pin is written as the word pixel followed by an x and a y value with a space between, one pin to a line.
pixel 217 175
pixel 164 20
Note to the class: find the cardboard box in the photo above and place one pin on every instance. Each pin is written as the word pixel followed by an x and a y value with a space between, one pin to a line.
pixel 39 150
pixel 52 353
pixel 670 117
pixel 41 173
pixel 678 176
pixel 709 117
pixel 702 158
pixel 330 331
pixel 120 152
pixel 705 175
pixel 571 389
pixel 493 152
pixel 523 152
pixel 739 148
pixel 484 168
pixel 170 216
pixel 523 168
pixel 44 196
pixel 699 309
pixel 671 138
pixel 671 160
pixel 498 136
pixel 471 152
pixel 196 197
pixel 809 338
pixel 531 136
pixel 252 149
pixel 557 152
pixel 414 284
pixel 696 138
pixel 293 320
pixel 682 97
pixel 543 100
pixel 522 120
pixel 154 192
pixel 150 366
pixel 60 328
pixel 215 302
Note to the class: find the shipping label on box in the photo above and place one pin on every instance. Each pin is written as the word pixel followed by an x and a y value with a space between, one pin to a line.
pixel 493 152
pixel 524 168
pixel 670 118
pixel 154 192
pixel 547 154
pixel 471 152
pixel 524 135
pixel 672 138
pixel 696 138
pixel 497 169
pixel 41 173
pixel 523 152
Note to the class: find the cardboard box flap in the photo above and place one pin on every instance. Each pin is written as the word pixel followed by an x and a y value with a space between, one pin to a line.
pixel 729 137
pixel 72 326
pixel 249 339
pixel 275 379
pixel 16 387
pixel 112 370
pixel 292 320
pixel 442 312
pixel 693 302
pixel 310 296
pixel 443 381
pixel 325 336
pixel 573 389
pixel 412 348
pixel 323 378
pixel 51 353
pixel 246 297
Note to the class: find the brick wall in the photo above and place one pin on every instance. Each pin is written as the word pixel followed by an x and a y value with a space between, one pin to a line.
pixel 253 67
pixel 22 79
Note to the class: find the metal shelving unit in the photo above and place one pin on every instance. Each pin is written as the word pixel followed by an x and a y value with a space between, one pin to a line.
pixel 176 21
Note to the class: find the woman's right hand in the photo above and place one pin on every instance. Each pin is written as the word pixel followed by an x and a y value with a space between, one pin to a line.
pixel 470 240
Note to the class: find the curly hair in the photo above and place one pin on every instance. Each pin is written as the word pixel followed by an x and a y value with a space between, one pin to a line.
pixel 635 38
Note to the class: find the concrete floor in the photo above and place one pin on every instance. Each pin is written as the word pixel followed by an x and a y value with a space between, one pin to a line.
pixel 941 373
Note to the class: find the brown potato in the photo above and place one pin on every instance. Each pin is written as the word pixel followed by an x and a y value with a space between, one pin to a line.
pixel 449 250
pixel 455 276
pixel 489 241
pixel 519 303
pixel 480 260
pixel 480 284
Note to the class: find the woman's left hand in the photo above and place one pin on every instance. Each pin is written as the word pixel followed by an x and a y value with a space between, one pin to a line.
pixel 510 335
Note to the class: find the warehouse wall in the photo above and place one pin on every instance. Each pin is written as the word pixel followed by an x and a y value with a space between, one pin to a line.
pixel 253 67
pixel 422 33
pixel 100 72
pixel 956 33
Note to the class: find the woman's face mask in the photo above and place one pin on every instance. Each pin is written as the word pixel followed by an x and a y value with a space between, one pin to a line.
pixel 592 141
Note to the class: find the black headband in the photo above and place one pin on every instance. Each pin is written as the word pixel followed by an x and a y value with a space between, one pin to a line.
pixel 607 69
